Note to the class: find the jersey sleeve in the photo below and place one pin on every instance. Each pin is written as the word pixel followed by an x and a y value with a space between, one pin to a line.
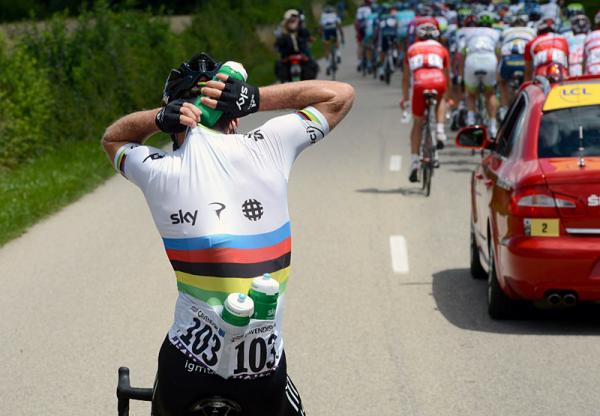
pixel 134 162
pixel 288 135
pixel 446 59
pixel 528 51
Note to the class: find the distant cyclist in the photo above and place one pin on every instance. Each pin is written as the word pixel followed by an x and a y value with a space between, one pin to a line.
pixel 404 15
pixel 591 59
pixel 220 205
pixel 512 57
pixel 360 26
pixel 580 26
pixel 331 32
pixel 479 68
pixel 428 65
pixel 547 50
pixel 387 34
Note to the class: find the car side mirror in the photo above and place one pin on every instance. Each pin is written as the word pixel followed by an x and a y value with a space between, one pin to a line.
pixel 473 137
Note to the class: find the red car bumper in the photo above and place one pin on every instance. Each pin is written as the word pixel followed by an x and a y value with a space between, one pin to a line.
pixel 532 266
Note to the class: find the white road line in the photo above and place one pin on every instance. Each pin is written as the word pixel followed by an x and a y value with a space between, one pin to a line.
pixel 399 254
pixel 395 163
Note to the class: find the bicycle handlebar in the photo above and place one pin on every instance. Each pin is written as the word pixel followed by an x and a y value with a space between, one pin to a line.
pixel 125 392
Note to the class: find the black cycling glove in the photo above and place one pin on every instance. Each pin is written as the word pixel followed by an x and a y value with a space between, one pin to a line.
pixel 168 118
pixel 238 98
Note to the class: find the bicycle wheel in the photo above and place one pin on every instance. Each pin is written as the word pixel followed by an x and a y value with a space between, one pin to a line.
pixel 333 62
pixel 426 173
pixel 388 71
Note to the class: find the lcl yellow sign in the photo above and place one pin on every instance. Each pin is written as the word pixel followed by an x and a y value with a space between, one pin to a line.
pixel 572 95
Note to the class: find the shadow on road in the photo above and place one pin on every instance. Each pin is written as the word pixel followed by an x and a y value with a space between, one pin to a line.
pixel 400 191
pixel 462 170
pixel 459 162
pixel 462 301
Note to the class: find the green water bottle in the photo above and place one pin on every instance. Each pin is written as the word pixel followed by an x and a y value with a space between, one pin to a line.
pixel 264 292
pixel 210 116
pixel 237 309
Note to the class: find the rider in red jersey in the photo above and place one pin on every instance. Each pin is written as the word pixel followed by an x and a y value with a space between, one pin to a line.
pixel 428 62
pixel 546 50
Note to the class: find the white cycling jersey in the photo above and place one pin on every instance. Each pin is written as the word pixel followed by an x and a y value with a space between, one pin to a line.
pixel 514 39
pixel 481 40
pixel 363 12
pixel 330 20
pixel 220 205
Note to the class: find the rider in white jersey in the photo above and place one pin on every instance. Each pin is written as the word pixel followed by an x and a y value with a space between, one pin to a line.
pixel 479 67
pixel 219 203
pixel 580 25
pixel 512 58
pixel 330 27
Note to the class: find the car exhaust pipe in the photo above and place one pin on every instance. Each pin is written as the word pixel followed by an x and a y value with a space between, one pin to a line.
pixel 554 299
pixel 569 299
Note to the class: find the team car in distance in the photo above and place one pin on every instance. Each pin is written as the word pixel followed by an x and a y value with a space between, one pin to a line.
pixel 535 198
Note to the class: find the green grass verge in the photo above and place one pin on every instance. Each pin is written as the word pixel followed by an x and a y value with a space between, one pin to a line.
pixel 37 189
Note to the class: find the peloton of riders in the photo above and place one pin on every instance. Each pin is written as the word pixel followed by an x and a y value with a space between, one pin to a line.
pixel 487 49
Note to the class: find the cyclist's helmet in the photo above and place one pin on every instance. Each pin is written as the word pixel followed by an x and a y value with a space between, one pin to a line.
pixel 535 13
pixel 575 9
pixel 580 24
pixel 427 31
pixel 328 9
pixel 424 10
pixel 520 20
pixel 486 19
pixel 185 82
pixel 463 13
pixel 384 8
pixel 546 25
pixel 470 21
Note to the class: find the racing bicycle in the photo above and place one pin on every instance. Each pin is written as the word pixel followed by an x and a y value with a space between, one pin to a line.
pixel 388 62
pixel 481 109
pixel 332 68
pixel 211 406
pixel 428 148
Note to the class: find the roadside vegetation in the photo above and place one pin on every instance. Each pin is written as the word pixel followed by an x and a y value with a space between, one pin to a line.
pixel 62 84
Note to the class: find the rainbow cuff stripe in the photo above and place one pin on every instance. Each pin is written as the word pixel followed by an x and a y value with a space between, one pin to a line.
pixel 121 155
pixel 210 267
pixel 314 115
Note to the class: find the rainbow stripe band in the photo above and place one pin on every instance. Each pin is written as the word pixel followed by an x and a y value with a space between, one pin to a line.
pixel 314 115
pixel 210 267
pixel 121 155
pixel 214 290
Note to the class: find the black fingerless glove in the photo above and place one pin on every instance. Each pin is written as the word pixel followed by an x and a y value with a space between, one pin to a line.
pixel 238 98
pixel 168 118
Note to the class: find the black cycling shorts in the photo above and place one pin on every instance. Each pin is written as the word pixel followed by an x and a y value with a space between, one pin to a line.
pixel 180 384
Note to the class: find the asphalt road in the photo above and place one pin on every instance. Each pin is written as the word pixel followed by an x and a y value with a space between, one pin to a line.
pixel 382 317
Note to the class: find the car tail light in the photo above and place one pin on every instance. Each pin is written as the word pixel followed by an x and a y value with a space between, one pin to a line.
pixel 539 202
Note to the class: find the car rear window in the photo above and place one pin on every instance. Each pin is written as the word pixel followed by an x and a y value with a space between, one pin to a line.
pixel 560 130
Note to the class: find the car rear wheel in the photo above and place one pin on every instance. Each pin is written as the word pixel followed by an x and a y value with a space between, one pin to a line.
pixel 477 270
pixel 500 306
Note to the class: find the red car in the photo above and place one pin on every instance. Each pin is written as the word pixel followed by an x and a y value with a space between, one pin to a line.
pixel 535 198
